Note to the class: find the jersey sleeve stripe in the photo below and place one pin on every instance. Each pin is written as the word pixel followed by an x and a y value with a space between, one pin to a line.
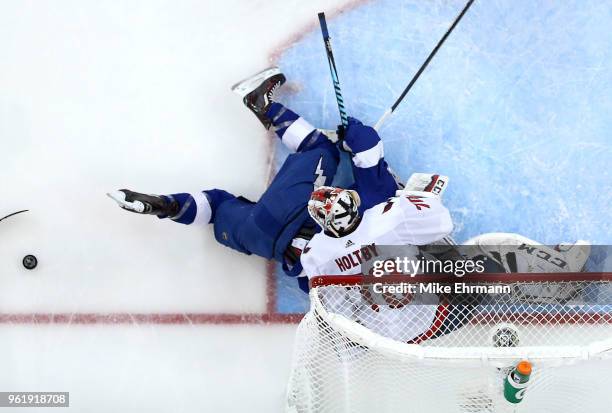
pixel 370 157
pixel 203 211
pixel 296 133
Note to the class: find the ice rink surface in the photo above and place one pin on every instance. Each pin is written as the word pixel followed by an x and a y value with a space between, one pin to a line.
pixel 96 96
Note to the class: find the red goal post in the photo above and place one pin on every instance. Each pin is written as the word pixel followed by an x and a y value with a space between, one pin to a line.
pixel 323 280
pixel 575 279
pixel 546 310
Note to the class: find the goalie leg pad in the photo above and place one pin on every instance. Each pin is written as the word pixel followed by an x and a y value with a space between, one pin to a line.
pixel 517 253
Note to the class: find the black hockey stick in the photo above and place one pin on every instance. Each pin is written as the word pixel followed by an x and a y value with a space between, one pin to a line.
pixel 332 69
pixel 14 213
pixel 423 67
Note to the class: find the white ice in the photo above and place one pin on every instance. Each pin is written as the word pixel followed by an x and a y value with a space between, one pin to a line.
pixel 96 96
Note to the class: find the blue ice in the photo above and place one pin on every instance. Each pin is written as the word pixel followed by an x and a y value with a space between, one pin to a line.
pixel 515 108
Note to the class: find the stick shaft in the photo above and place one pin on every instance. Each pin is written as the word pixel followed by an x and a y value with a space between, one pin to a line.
pixel 14 213
pixel 425 64
pixel 332 68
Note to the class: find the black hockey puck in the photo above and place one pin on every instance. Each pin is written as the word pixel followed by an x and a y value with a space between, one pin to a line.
pixel 30 262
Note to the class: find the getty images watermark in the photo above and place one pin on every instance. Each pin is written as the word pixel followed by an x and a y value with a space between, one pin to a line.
pixel 411 267
pixel 405 265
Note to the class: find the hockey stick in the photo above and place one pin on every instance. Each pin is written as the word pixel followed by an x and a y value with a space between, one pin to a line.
pixel 14 213
pixel 332 69
pixel 422 68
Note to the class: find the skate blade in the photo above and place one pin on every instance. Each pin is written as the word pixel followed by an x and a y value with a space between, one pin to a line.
pixel 119 198
pixel 116 196
pixel 247 85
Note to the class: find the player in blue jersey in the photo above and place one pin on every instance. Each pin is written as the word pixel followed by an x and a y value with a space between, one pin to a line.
pixel 278 225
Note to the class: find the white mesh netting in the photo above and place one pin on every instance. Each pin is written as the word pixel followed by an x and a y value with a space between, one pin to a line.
pixel 361 350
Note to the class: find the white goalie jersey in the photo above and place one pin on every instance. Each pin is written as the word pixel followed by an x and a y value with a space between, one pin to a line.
pixel 414 218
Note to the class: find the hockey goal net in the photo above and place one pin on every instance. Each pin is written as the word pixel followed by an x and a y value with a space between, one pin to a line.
pixel 376 344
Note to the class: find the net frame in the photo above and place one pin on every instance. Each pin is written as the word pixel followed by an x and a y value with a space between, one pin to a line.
pixel 340 365
pixel 497 356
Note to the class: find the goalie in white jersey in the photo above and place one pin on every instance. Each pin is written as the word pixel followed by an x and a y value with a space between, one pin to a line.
pixel 416 217
pixel 349 239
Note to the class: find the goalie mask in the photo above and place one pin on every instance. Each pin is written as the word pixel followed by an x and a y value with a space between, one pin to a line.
pixel 336 210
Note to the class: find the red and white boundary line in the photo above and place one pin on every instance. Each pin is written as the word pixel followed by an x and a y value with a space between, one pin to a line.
pixel 271 316
pixel 150 318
